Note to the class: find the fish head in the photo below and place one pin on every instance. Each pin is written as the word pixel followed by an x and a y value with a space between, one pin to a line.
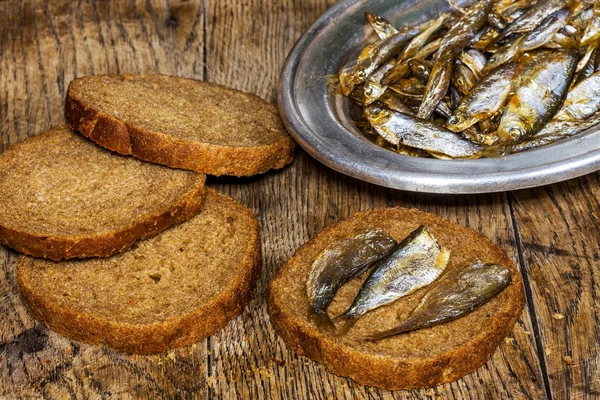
pixel 458 122
pixel 372 92
pixel 377 115
pixel 514 127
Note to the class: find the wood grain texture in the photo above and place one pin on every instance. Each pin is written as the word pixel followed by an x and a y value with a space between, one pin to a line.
pixel 43 45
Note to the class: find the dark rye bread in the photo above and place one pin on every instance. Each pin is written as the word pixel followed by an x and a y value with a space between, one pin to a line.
pixel 182 123
pixel 422 358
pixel 169 291
pixel 65 197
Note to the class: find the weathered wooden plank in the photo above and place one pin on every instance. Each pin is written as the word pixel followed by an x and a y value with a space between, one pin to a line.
pixel 559 228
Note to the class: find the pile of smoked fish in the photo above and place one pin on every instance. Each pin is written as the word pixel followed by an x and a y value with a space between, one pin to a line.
pixel 398 270
pixel 499 77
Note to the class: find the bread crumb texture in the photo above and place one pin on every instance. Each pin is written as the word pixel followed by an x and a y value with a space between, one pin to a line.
pixel 64 196
pixel 422 358
pixel 180 122
pixel 168 291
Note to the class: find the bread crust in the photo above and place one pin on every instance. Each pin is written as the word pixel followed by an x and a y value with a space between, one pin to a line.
pixel 161 148
pixel 104 244
pixel 172 333
pixel 391 372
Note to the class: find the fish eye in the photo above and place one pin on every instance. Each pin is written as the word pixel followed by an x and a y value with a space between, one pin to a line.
pixel 368 91
pixel 360 74
pixel 376 111
pixel 460 81
pixel 453 120
pixel 515 133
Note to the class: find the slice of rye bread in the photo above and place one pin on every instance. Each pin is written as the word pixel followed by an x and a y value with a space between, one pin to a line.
pixel 65 197
pixel 182 123
pixel 422 358
pixel 169 291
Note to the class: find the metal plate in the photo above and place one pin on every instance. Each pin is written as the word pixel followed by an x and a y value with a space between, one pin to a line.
pixel 320 120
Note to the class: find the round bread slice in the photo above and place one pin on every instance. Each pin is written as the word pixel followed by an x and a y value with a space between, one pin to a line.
pixel 65 197
pixel 422 358
pixel 182 123
pixel 169 291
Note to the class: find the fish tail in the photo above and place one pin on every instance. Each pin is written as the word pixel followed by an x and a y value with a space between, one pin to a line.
pixel 347 321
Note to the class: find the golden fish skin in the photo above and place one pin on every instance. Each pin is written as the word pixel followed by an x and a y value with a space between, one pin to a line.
pixel 372 57
pixel 373 88
pixel 582 101
pixel 415 263
pixel 455 294
pixel 381 26
pixel 554 131
pixel 463 31
pixel 398 128
pixel 591 36
pixel 422 69
pixel 402 69
pixel 341 261
pixel 475 60
pixel 464 79
pixel 438 84
pixel 538 98
pixel 485 98
pixel 532 17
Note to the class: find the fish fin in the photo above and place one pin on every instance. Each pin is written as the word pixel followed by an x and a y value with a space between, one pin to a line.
pixel 347 322
pixel 442 259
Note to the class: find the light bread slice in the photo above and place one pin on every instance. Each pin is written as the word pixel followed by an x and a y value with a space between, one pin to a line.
pixel 64 197
pixel 169 291
pixel 422 358
pixel 182 123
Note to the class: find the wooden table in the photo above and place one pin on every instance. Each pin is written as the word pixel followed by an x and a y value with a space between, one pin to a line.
pixel 551 233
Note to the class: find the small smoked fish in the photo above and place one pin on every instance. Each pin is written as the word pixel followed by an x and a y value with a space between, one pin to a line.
pixel 416 262
pixel 455 294
pixel 438 84
pixel 538 98
pixel 381 26
pixel 485 99
pixel 484 38
pixel 398 128
pixel 341 261
pixel 554 131
pixel 582 101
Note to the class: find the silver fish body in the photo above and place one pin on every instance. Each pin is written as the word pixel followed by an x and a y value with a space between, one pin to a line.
pixel 475 60
pixel 485 99
pixel 582 101
pixel 398 128
pixel 341 261
pixel 555 131
pixel 538 98
pixel 456 294
pixel 532 17
pixel 417 261
pixel 438 83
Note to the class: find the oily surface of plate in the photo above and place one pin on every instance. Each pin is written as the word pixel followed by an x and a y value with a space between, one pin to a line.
pixel 321 121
